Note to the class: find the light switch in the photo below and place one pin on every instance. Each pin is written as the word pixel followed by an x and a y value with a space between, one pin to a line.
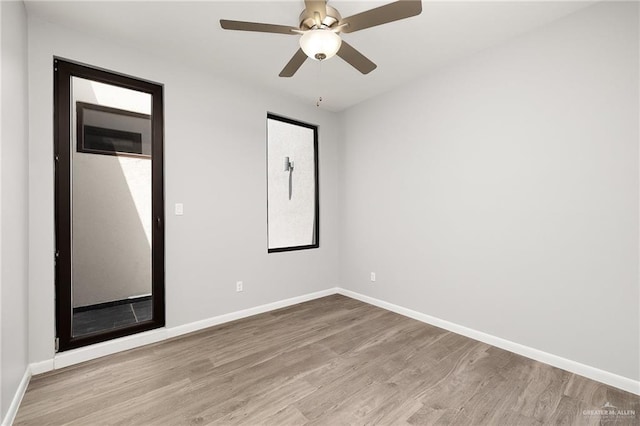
pixel 179 210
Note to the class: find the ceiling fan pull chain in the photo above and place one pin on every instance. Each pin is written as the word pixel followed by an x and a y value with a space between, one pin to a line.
pixel 319 84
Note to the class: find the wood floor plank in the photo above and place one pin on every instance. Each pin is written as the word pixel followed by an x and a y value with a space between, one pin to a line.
pixel 330 361
pixel 288 416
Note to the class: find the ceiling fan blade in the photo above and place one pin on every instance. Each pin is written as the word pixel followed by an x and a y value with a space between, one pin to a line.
pixel 318 7
pixel 256 26
pixel 355 58
pixel 293 65
pixel 381 15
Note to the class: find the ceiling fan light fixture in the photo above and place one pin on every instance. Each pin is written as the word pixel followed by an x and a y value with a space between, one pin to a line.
pixel 320 44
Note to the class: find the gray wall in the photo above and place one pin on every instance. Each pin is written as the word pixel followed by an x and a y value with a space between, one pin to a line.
pixel 14 179
pixel 215 163
pixel 501 192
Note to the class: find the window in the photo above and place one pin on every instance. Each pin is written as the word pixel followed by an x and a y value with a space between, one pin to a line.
pixel 292 187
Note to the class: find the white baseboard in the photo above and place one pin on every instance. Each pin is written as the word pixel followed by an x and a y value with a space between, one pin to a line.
pixel 98 350
pixel 41 367
pixel 17 398
pixel 593 373
pixel 221 319
pixel 76 356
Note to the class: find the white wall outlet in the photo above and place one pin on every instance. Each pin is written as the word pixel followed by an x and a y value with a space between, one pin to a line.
pixel 179 209
pixel 239 286
pixel 373 277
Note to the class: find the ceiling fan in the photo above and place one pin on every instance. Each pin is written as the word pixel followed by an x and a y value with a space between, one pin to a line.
pixel 320 27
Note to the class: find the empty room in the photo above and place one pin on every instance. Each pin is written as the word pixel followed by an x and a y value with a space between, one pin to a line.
pixel 319 212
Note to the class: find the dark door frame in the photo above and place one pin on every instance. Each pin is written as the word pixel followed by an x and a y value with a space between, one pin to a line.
pixel 63 71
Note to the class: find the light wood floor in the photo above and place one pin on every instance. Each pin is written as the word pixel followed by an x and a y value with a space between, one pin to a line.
pixel 330 361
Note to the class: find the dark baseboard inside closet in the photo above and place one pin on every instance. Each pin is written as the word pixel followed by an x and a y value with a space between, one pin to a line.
pixel 111 303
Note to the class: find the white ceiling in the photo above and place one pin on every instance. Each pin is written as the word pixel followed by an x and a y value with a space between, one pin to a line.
pixel 403 50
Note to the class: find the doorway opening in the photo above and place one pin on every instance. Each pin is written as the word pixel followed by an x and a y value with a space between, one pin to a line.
pixel 109 204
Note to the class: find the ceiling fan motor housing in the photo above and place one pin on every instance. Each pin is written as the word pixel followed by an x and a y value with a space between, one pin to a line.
pixel 308 19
